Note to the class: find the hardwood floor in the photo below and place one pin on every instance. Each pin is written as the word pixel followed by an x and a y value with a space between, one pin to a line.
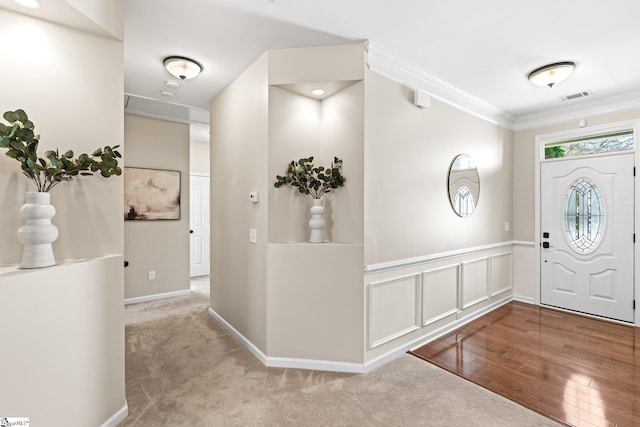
pixel 573 369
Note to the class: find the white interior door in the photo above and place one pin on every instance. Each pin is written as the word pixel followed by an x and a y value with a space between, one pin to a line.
pixel 587 224
pixel 199 223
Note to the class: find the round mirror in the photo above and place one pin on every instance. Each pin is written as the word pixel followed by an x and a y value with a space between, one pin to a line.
pixel 464 185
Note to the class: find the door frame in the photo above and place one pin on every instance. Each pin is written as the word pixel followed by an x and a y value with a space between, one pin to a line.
pixel 540 142
pixel 203 175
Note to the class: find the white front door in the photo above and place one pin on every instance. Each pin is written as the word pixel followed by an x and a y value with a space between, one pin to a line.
pixel 199 223
pixel 587 225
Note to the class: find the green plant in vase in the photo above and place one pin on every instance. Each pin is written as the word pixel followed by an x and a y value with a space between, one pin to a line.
pixel 310 179
pixel 47 171
pixel 314 181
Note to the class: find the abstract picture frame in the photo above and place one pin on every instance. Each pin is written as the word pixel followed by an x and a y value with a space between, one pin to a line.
pixel 151 194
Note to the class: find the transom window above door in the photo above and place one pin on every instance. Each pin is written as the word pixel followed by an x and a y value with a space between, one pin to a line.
pixel 586 146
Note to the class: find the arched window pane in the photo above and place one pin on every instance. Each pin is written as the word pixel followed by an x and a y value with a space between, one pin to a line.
pixel 584 216
pixel 463 201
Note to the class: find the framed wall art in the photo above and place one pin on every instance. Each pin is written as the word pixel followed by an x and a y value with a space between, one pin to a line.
pixel 151 194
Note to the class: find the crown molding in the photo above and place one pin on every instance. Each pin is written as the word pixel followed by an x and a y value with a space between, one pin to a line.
pixel 610 105
pixel 388 64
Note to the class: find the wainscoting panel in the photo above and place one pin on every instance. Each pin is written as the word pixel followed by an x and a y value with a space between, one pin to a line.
pixel 394 309
pixel 414 300
pixel 440 296
pixel 501 277
pixel 475 281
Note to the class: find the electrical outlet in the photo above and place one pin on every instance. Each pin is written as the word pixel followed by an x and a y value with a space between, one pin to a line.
pixel 506 226
pixel 253 238
pixel 152 275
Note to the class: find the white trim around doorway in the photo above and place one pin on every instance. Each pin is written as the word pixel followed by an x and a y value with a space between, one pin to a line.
pixel 540 142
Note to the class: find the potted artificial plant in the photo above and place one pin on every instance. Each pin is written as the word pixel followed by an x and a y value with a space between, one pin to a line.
pixel 46 172
pixel 314 181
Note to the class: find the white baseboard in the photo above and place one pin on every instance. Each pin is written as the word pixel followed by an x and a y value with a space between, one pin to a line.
pixel 245 342
pixel 287 362
pixel 154 297
pixel 425 339
pixel 526 300
pixel 316 365
pixel 118 417
pixel 355 368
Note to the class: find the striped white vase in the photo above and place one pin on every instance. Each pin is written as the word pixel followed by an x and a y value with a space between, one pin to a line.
pixel 37 233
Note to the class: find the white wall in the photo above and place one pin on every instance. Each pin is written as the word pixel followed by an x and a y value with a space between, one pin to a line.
pixel 82 111
pixel 64 353
pixel 396 160
pixel 200 157
pixel 239 166
pixel 408 151
pixel 299 127
pixel 66 360
pixel 160 246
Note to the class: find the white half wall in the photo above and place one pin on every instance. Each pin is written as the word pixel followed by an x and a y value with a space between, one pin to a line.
pixel 63 356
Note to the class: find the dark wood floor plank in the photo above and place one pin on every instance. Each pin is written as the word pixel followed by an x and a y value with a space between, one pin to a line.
pixel 571 368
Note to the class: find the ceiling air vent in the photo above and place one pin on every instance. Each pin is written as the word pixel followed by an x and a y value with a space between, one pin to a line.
pixel 575 96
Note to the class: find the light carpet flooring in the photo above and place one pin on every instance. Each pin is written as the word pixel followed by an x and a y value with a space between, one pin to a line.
pixel 184 369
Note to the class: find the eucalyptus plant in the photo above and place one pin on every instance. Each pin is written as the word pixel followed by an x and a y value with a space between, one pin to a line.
pixel 46 172
pixel 310 179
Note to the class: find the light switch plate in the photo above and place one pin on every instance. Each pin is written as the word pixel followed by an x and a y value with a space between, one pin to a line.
pixel 253 238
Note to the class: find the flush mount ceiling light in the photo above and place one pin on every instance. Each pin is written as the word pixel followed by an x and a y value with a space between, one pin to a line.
pixel 181 67
pixel 317 92
pixel 551 74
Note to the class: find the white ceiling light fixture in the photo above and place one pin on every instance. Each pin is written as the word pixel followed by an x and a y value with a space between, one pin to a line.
pixel 181 67
pixel 317 92
pixel 551 74
pixel 32 4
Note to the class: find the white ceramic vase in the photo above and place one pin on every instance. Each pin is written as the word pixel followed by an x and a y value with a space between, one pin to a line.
pixel 317 223
pixel 37 233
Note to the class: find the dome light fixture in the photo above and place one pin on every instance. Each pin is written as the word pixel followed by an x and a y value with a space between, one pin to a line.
pixel 181 67
pixel 317 92
pixel 551 74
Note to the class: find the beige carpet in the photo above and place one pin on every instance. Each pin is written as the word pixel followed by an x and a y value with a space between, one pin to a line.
pixel 184 369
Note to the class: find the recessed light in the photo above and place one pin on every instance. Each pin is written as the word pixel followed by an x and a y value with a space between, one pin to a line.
pixel 33 4
pixel 317 92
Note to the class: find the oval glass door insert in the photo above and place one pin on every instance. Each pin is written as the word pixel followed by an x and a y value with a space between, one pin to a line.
pixel 584 216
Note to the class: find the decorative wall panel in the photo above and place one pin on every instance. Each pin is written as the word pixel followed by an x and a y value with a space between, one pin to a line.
pixel 393 309
pixel 500 273
pixel 440 296
pixel 475 281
